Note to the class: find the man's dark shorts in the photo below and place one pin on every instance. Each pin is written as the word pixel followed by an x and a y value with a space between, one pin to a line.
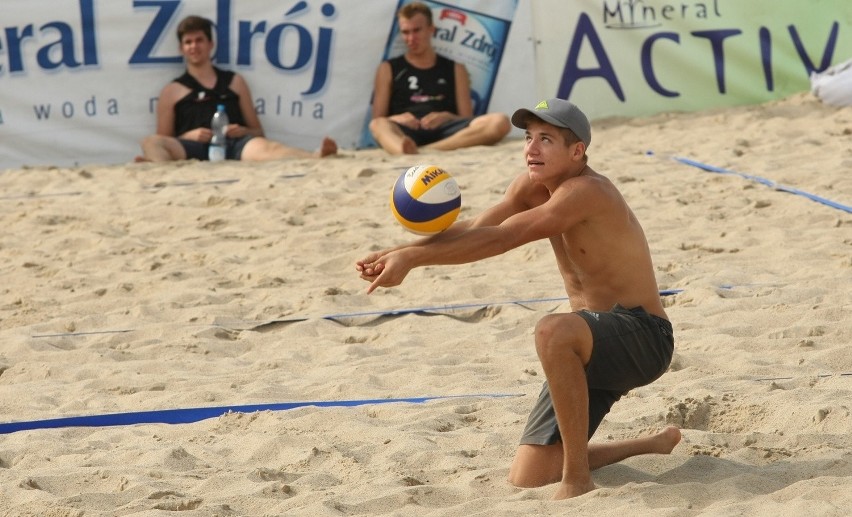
pixel 200 151
pixel 631 348
pixel 429 136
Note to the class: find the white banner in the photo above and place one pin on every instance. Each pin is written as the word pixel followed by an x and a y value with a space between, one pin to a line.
pixel 79 79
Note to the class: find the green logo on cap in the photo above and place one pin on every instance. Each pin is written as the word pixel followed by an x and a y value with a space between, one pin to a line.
pixel 541 106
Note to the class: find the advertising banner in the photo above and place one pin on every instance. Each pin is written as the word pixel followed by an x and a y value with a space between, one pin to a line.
pixel 79 80
pixel 632 57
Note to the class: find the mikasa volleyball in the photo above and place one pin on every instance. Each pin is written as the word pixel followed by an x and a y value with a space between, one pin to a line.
pixel 426 199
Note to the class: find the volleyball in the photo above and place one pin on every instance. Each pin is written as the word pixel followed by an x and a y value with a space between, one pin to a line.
pixel 425 199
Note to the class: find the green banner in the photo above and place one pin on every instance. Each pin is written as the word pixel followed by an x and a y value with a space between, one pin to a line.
pixel 632 57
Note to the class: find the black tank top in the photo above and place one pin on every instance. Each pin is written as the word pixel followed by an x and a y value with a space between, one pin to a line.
pixel 423 91
pixel 196 109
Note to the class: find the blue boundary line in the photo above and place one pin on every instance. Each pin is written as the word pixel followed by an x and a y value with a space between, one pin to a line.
pixel 37 196
pixel 74 334
pixel 190 415
pixel 385 312
pixel 438 308
pixel 764 181
pixel 819 376
pixel 415 310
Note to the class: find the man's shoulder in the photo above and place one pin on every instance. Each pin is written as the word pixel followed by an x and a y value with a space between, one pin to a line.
pixel 522 187
pixel 594 189
pixel 185 78
pixel 444 60
pixel 396 62
pixel 588 182
pixel 221 72
pixel 173 91
pixel 401 61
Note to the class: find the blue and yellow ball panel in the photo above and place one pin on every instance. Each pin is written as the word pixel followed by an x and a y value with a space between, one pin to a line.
pixel 425 199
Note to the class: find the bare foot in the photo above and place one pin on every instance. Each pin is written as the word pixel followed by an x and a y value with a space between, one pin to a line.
pixel 666 440
pixel 140 159
pixel 567 490
pixel 328 148
pixel 409 146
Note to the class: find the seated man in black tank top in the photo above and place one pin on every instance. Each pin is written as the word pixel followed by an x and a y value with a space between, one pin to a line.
pixel 423 99
pixel 186 106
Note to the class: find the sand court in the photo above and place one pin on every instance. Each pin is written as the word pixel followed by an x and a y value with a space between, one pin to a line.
pixel 151 287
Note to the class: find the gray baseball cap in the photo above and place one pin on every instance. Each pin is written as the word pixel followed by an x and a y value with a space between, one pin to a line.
pixel 560 113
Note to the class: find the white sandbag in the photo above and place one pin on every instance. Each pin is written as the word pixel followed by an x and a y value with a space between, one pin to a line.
pixel 834 85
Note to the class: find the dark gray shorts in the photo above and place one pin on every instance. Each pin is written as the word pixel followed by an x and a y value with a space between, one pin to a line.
pixel 200 151
pixel 631 348
pixel 428 136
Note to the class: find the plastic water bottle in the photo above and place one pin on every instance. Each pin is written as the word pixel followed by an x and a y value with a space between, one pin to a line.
pixel 219 126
